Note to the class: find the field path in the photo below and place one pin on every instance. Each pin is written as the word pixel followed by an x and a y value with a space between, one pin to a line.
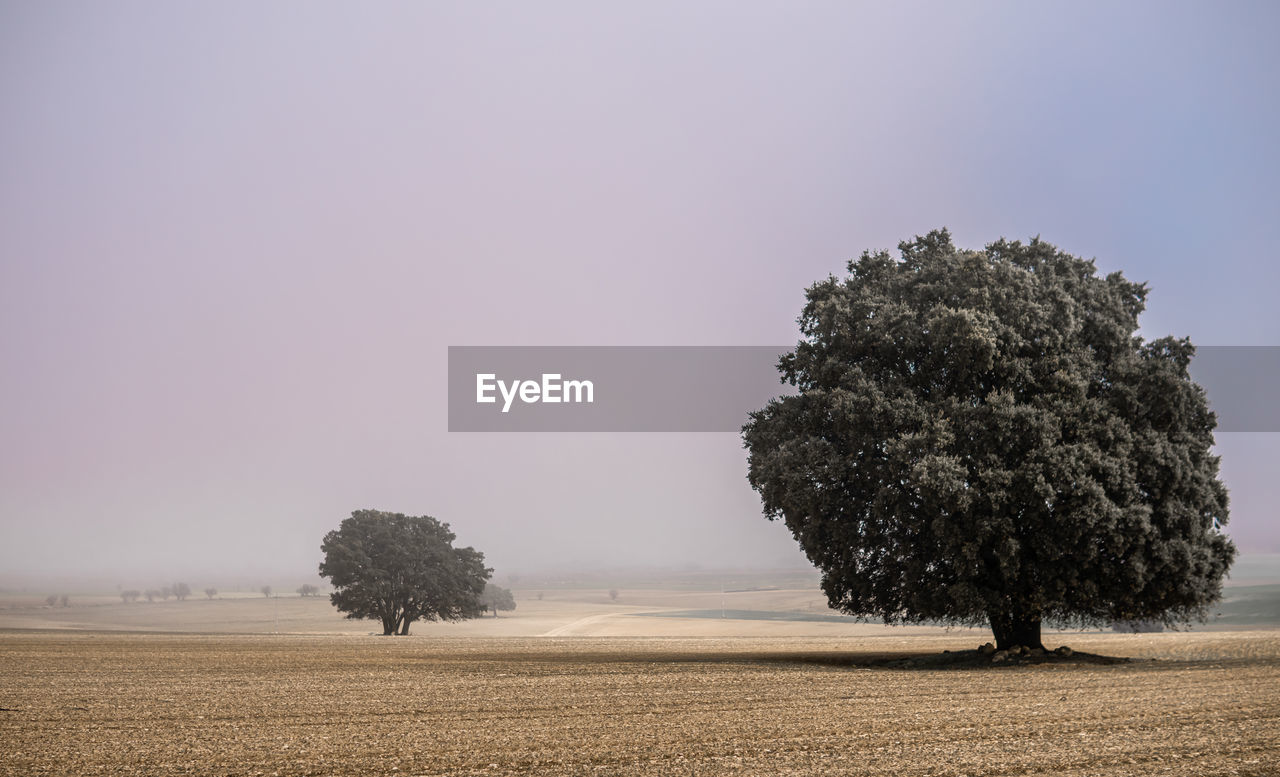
pixel 575 628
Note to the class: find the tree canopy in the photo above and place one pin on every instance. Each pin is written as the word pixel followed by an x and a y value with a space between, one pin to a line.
pixel 398 569
pixel 981 436
pixel 495 598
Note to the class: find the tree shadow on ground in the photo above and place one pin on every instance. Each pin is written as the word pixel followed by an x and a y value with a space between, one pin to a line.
pixel 834 659
pixel 949 659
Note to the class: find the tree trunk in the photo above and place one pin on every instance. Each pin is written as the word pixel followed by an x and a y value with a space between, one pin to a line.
pixel 1012 629
pixel 404 630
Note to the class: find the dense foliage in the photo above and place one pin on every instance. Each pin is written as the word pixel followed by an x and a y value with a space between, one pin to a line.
pixel 398 569
pixel 981 436
pixel 495 598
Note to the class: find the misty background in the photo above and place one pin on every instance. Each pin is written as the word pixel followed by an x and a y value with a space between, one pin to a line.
pixel 236 240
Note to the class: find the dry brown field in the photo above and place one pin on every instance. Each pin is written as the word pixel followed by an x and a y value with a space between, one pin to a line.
pixel 109 703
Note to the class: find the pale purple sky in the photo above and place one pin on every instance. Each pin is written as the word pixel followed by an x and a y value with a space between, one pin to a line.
pixel 236 239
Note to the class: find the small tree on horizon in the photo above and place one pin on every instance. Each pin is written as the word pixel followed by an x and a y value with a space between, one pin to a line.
pixel 265 590
pixel 181 591
pixel 307 589
pixel 982 436
pixel 210 592
pixel 495 598
pixel 613 594
pixel 130 596
pixel 398 569
pixel 1137 627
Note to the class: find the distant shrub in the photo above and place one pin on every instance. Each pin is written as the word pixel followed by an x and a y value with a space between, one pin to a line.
pixel 265 590
pixel 130 596
pixel 306 589
pixel 51 600
pixel 181 591
pixel 1137 627
pixel 210 592
pixel 495 597
pixel 613 594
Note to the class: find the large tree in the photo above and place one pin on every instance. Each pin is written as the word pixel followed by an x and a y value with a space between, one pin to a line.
pixel 982 437
pixel 398 569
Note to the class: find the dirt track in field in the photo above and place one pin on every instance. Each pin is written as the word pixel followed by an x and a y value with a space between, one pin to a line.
pixel 110 703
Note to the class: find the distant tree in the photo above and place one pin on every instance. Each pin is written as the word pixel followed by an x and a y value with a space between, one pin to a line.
pixel 181 591
pixel 166 591
pixel 51 600
pixel 539 596
pixel 151 594
pixel 1137 627
pixel 495 598
pixel 130 596
pixel 613 594
pixel 307 589
pixel 265 590
pixel 983 437
pixel 398 569
pixel 210 592
pixel 65 600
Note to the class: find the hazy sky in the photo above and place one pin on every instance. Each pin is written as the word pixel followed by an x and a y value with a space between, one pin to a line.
pixel 237 238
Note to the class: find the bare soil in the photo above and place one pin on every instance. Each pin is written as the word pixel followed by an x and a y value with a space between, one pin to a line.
pixel 174 704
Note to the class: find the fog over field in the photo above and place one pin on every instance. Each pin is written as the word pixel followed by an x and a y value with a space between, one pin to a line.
pixel 236 242
pixel 257 260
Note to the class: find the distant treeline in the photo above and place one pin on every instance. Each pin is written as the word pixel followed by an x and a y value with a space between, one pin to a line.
pixel 181 591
